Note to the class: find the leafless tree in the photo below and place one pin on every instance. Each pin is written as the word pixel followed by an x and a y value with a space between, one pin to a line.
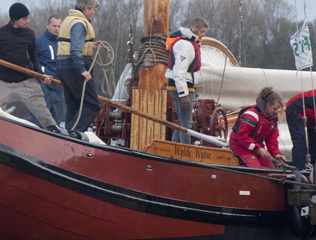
pixel 261 26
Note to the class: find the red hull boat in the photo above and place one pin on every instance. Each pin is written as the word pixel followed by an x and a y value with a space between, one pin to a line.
pixel 53 186
pixel 57 187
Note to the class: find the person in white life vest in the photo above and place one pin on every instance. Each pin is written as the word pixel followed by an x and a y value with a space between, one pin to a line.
pixel 184 60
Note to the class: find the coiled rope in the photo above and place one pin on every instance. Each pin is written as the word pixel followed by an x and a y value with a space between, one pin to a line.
pixel 153 51
pixel 107 68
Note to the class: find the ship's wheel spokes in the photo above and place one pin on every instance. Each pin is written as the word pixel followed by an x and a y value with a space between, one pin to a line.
pixel 219 123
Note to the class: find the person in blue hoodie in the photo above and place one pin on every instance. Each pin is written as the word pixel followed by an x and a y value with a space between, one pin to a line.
pixel 46 47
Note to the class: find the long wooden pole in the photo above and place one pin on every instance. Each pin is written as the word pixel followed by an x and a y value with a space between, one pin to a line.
pixel 215 140
pixel 27 71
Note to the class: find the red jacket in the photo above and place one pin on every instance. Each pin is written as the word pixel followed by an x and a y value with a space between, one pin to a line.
pixel 253 131
pixel 296 108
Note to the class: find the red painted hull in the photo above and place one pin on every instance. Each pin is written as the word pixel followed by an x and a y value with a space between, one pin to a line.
pixel 49 211
pixel 55 187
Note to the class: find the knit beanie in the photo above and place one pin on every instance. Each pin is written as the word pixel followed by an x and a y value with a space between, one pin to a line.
pixel 17 11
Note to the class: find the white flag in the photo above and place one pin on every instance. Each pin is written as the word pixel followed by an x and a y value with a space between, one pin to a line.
pixel 302 49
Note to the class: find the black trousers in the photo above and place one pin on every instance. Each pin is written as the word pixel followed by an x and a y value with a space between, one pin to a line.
pixel 73 83
pixel 297 130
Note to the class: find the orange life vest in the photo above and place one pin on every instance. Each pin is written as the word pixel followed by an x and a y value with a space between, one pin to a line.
pixel 175 37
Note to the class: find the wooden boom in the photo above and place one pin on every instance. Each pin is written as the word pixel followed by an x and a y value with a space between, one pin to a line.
pixel 215 140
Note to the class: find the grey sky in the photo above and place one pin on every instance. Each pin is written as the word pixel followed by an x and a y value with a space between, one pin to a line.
pixel 310 9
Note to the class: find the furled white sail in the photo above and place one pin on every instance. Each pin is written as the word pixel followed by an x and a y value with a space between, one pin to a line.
pixel 239 86
pixel 232 86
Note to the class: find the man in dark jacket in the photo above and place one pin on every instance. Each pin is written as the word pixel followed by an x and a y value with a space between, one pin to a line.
pixel 46 48
pixel 17 45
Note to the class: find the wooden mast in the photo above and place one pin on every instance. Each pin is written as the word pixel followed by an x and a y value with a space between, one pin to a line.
pixel 150 96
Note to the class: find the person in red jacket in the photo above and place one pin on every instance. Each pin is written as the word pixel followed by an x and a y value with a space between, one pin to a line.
pixel 296 125
pixel 255 128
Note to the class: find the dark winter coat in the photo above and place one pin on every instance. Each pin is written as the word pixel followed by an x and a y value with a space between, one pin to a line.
pixel 17 46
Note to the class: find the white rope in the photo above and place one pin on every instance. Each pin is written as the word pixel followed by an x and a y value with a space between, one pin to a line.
pixel 223 77
pixel 85 82
pixel 305 10
pixel 295 8
pixel 107 69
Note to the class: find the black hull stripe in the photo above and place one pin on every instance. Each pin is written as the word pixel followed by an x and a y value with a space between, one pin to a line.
pixel 137 200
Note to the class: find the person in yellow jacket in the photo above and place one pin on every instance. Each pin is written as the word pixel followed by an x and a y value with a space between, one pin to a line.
pixel 74 54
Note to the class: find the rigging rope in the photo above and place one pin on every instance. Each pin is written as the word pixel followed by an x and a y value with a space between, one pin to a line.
pixel 283 181
pixel 223 77
pixel 240 31
pixel 308 156
pixel 245 169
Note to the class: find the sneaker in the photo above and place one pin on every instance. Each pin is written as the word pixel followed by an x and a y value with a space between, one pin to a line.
pixel 56 129
pixel 78 135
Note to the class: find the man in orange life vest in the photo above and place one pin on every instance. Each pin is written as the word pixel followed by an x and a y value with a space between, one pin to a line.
pixel 184 60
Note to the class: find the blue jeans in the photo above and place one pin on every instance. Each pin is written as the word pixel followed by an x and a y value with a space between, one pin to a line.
pixel 184 118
